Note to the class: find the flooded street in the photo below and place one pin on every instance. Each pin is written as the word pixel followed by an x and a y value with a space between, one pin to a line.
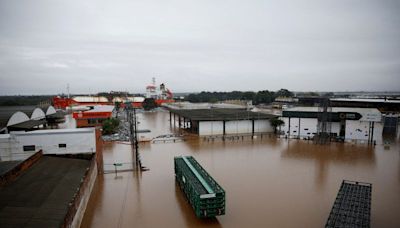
pixel 269 182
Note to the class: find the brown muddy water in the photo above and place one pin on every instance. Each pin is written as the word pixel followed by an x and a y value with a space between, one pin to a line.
pixel 269 182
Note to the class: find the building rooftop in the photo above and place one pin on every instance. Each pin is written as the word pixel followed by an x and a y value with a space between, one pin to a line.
pixel 102 108
pixel 366 100
pixel 41 195
pixel 54 131
pixel 6 166
pixel 189 105
pixel 221 114
pixel 26 117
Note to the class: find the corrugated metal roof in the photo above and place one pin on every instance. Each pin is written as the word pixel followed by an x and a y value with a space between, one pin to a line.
pixel 7 111
pixel 27 125
pixel 221 114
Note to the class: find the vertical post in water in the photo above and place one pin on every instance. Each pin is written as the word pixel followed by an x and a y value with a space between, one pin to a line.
pixel 135 140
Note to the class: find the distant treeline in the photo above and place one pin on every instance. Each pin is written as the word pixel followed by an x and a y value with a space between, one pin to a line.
pixel 23 100
pixel 260 97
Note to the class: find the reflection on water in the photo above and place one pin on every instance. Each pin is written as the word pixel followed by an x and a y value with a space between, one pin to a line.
pixel 269 182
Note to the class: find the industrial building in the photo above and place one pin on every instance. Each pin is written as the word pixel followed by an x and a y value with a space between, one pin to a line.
pixel 46 191
pixel 344 123
pixel 94 116
pixel 16 118
pixel 20 145
pixel 221 121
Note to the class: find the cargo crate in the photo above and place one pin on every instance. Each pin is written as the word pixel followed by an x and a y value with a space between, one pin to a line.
pixel 203 193
pixel 352 207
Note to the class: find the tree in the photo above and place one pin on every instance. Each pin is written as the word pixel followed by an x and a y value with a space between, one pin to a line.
pixel 117 106
pixel 284 93
pixel 249 96
pixel 276 122
pixel 263 97
pixel 110 126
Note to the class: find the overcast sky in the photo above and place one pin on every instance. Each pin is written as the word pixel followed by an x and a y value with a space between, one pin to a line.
pixel 211 45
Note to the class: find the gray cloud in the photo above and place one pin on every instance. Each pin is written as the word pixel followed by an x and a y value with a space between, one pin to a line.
pixel 198 45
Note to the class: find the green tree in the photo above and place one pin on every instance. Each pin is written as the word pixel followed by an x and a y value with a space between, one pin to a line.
pixel 284 93
pixel 275 123
pixel 110 126
pixel 117 107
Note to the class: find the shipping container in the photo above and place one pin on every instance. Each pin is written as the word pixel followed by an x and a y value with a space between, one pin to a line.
pixel 203 193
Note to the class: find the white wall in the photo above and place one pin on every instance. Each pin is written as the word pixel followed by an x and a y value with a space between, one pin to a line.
pixel 234 127
pixel 335 128
pixel 211 128
pixel 76 140
pixel 238 127
pixel 359 130
pixel 307 126
pixel 261 126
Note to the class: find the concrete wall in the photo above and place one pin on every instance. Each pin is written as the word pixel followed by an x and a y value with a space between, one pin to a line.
pixel 234 127
pixel 210 128
pixel 78 208
pixel 238 127
pixel 77 141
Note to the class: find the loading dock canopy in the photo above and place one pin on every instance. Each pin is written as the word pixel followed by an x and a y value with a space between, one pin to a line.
pixel 336 115
pixel 220 114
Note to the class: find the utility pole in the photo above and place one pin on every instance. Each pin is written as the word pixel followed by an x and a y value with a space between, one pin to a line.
pixel 132 118
pixel 135 140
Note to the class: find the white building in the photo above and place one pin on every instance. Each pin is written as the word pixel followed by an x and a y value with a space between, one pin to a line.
pixel 21 145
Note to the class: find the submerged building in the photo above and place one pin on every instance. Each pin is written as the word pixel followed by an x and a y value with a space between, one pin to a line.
pixel 221 121
pixel 344 123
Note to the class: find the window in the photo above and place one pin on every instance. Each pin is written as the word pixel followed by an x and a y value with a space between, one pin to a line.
pixel 30 148
pixel 62 145
pixel 92 121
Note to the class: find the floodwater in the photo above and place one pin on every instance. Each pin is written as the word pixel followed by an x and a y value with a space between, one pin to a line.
pixel 269 182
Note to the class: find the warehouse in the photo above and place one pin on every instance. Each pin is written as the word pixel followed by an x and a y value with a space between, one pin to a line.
pixel 93 117
pixel 345 123
pixel 221 121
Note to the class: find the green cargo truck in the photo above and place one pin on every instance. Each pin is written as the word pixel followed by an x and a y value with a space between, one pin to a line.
pixel 201 190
